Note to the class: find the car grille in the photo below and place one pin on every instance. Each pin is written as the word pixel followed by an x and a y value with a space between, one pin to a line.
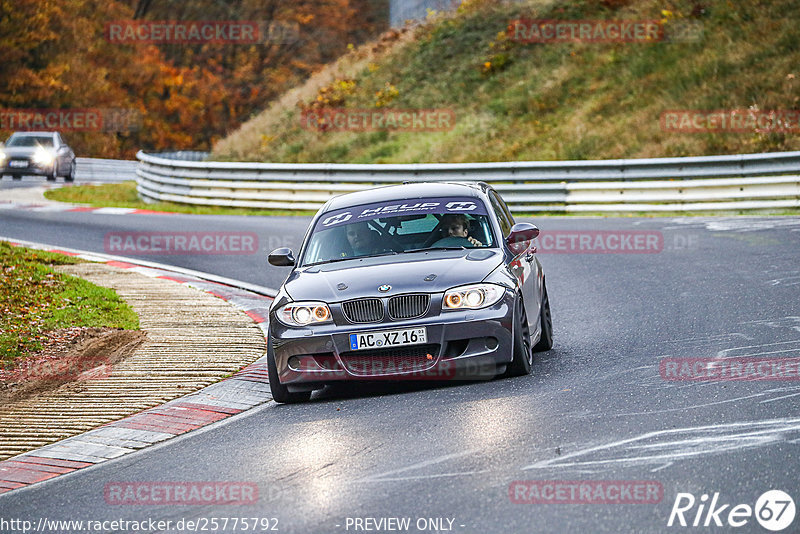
pixel 363 310
pixel 391 361
pixel 408 306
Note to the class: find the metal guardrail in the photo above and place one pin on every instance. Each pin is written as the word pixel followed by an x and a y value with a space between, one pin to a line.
pixel 185 155
pixel 739 182
pixel 104 170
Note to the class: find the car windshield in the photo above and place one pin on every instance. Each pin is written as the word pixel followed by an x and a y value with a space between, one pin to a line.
pixel 397 227
pixel 30 141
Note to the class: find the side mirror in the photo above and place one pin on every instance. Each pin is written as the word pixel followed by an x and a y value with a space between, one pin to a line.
pixel 521 236
pixel 281 257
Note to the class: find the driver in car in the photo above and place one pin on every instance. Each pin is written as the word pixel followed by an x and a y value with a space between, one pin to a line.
pixel 457 225
pixel 364 241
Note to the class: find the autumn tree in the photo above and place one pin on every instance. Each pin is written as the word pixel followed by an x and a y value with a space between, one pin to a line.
pixel 56 55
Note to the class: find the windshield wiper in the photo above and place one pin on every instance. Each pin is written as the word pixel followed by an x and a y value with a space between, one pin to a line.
pixel 387 253
pixel 434 248
pixel 334 260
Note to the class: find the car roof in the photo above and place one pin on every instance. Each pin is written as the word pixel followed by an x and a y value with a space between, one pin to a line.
pixel 407 191
pixel 32 134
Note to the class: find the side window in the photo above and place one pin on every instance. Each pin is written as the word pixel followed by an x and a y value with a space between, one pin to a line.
pixel 503 217
pixel 511 220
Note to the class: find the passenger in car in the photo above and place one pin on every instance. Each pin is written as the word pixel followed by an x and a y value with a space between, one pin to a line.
pixel 457 225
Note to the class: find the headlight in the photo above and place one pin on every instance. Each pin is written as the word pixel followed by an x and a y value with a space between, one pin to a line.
pixel 43 157
pixel 2 157
pixel 472 297
pixel 304 313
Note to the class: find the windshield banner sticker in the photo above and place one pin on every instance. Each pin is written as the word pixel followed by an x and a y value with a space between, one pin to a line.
pixel 393 208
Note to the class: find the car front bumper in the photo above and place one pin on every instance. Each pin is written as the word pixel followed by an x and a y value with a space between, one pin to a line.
pixel 31 169
pixel 461 345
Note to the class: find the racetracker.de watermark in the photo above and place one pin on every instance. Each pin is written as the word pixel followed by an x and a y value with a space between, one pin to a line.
pixel 391 369
pixel 179 493
pixel 163 243
pixel 731 121
pixel 585 31
pixel 59 370
pixel 585 492
pixel 600 242
pixel 201 31
pixel 71 120
pixel 729 369
pixel 373 120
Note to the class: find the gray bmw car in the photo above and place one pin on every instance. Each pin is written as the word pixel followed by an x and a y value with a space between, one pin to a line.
pixel 422 281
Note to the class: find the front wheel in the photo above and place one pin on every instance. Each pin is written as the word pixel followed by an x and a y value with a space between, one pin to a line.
pixel 52 176
pixel 70 177
pixel 281 393
pixel 522 355
pixel 545 323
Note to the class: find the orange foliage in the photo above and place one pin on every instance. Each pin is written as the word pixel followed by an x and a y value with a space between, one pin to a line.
pixel 55 55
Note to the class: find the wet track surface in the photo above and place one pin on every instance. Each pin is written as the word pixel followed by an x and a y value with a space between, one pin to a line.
pixel 595 408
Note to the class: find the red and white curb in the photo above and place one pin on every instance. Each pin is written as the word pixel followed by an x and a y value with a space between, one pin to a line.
pixel 244 390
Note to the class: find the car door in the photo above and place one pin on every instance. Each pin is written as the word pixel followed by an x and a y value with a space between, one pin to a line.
pixel 525 266
pixel 63 153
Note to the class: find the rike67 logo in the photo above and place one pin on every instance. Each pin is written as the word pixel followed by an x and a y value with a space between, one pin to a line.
pixel 774 510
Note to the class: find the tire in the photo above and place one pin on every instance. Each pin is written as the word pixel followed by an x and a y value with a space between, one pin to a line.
pixel 281 393
pixel 52 177
pixel 16 177
pixel 522 355
pixel 546 324
pixel 70 177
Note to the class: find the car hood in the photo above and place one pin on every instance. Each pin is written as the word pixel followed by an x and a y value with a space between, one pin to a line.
pixel 18 151
pixel 428 272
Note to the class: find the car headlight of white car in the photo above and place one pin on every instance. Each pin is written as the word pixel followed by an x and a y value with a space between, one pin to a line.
pixel 472 297
pixel 3 157
pixel 42 156
pixel 304 313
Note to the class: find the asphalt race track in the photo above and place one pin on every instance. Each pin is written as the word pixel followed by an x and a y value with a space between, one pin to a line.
pixel 596 408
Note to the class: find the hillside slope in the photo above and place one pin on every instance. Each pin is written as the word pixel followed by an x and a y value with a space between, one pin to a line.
pixel 548 101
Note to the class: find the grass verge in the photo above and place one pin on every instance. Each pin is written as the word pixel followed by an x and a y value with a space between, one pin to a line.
pixel 35 299
pixel 123 195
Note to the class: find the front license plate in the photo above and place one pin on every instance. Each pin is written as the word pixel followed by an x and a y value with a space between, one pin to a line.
pixel 18 164
pixel 390 338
